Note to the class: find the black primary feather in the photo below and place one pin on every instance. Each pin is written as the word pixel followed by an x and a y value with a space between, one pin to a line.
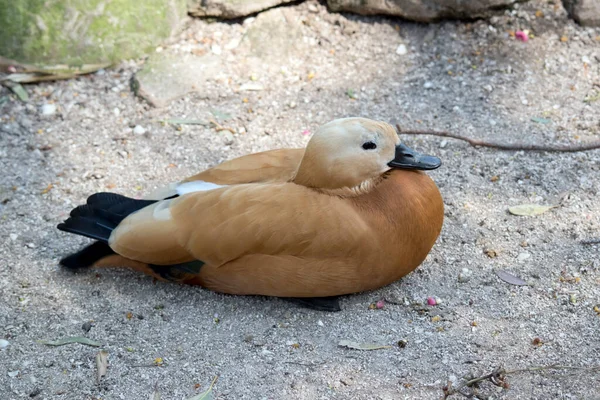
pixel 96 220
pixel 87 256
pixel 331 303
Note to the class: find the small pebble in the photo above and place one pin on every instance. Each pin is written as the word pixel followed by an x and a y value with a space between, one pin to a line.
pixel 380 304
pixel 312 8
pixel 401 50
pixel 320 323
pixel 139 130
pixel 13 374
pixel 465 275
pixel 573 298
pixel 216 49
pixel 4 344
pixel 428 85
pixel 116 111
pixel 586 60
pixel 228 138
pixel 30 245
pixel 443 144
pixel 86 326
pixel 48 109
pixel 13 236
pixel 523 256
pixel 431 301
pixel 232 44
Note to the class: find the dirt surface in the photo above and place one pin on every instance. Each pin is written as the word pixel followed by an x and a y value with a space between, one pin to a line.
pixel 470 78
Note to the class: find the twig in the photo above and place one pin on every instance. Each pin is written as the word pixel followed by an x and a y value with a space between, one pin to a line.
pixel 312 364
pixel 507 146
pixel 498 374
pixel 219 127
pixel 591 241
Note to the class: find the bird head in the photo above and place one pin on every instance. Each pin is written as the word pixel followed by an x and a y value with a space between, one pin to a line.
pixel 350 152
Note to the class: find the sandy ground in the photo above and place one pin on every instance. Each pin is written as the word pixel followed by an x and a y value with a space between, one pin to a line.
pixel 470 78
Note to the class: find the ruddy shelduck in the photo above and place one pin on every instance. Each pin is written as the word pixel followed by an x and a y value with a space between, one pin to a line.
pixel 350 212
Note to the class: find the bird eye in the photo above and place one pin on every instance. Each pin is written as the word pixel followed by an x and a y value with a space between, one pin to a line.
pixel 369 146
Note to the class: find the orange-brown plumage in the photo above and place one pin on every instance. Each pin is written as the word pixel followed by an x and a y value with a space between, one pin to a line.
pixel 329 220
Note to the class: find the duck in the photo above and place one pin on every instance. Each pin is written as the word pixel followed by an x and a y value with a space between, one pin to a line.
pixel 353 211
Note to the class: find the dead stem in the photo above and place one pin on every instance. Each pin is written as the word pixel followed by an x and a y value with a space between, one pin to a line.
pixel 498 374
pixel 507 146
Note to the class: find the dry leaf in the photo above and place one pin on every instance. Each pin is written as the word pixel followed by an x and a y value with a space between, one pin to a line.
pixel 362 346
pixel 183 121
pixel 48 188
pixel 155 395
pixel 18 90
pixel 27 73
pixel 69 340
pixel 101 364
pixel 509 278
pixel 491 253
pixel 529 209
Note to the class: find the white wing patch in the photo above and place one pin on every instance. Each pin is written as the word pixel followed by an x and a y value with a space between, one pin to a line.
pixel 196 186
pixel 161 211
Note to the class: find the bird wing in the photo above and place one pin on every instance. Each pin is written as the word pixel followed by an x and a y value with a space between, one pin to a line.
pixel 267 166
pixel 221 225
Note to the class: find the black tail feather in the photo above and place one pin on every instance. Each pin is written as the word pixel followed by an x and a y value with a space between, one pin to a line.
pixel 87 227
pixel 87 256
pixel 117 204
pixel 96 220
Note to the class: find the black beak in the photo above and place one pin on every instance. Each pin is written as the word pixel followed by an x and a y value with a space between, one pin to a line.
pixel 407 158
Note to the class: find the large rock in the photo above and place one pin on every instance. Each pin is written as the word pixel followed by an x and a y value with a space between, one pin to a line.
pixel 85 31
pixel 168 76
pixel 273 36
pixel 231 8
pixel 585 12
pixel 423 10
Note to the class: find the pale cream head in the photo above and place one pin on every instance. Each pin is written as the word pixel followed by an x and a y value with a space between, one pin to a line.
pixel 346 153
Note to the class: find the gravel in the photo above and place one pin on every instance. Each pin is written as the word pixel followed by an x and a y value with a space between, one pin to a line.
pixel 471 78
